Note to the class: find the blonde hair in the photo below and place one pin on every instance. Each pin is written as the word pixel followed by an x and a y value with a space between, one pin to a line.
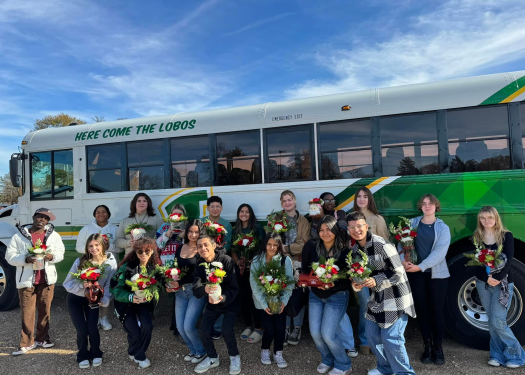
pixel 290 193
pixel 499 229
pixel 179 207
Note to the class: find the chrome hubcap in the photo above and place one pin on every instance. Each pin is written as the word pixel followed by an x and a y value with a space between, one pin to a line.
pixel 3 281
pixel 473 311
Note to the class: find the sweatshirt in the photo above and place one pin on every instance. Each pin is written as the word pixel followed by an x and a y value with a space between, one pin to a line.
pixel 109 230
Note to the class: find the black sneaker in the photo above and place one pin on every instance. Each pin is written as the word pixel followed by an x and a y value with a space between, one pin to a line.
pixel 215 335
pixel 439 356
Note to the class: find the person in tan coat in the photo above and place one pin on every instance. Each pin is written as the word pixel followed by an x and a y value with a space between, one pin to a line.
pixel 294 242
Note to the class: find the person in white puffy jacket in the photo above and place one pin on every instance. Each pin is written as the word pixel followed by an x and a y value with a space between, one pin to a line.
pixel 35 286
pixel 101 226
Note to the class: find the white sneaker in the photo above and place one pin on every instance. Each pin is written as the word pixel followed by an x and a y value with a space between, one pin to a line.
pixel 512 365
pixel 235 365
pixel 322 368
pixel 207 364
pixel 198 358
pixel 335 371
pixel 265 357
pixel 104 323
pixel 84 364
pixel 189 357
pixel 45 344
pixel 97 362
pixel 352 353
pixel 23 350
pixel 278 358
pixel 144 364
pixel 375 371
pixel 493 362
pixel 131 357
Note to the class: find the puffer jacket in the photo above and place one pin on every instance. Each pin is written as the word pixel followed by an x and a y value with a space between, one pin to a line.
pixel 17 252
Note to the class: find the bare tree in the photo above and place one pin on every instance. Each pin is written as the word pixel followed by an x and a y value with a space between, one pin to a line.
pixel 98 119
pixel 55 121
pixel 8 193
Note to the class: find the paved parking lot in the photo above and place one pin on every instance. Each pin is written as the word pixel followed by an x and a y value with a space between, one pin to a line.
pixel 166 352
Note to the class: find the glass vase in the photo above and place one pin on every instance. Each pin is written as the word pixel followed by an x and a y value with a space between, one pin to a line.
pixel 274 304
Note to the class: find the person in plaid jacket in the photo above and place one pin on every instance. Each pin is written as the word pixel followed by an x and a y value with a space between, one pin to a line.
pixel 390 303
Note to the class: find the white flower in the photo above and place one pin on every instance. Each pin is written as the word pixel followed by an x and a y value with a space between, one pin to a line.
pixel 406 239
pixel 406 231
pixel 84 271
pixel 38 251
pixel 97 270
pixel 277 227
pixel 269 278
pixel 174 272
pixel 245 242
pixel 217 264
pixel 137 232
pixel 320 271
pixel 135 277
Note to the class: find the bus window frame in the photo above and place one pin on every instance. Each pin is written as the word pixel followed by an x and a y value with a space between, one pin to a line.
pixel 53 198
pixel 123 159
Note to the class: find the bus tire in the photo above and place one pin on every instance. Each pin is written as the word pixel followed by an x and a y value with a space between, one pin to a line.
pixel 8 291
pixel 465 316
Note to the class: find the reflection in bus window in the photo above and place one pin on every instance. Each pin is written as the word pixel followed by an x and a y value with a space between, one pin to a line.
pixel 104 168
pixel 63 173
pixel 410 160
pixel 471 156
pixel 345 149
pixel 190 162
pixel 410 129
pixel 41 175
pixel 146 165
pixel 477 123
pixel 238 158
pixel 49 167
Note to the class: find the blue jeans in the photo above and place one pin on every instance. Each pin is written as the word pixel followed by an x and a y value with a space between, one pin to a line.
pixel 298 320
pixel 345 334
pixel 388 345
pixel 363 295
pixel 504 347
pixel 325 317
pixel 188 310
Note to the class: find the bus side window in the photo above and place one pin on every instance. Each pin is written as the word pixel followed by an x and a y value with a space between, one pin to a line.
pixel 238 158
pixel 104 168
pixel 48 167
pixel 190 162
pixel 146 165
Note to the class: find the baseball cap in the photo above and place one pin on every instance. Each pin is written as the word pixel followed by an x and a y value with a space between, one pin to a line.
pixel 47 212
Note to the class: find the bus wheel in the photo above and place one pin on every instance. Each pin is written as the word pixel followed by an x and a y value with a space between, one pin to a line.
pixel 465 316
pixel 8 291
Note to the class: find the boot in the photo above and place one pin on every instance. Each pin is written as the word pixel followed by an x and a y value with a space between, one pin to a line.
pixel 426 357
pixel 439 356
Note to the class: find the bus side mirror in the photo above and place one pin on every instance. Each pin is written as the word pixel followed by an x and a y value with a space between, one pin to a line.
pixel 15 170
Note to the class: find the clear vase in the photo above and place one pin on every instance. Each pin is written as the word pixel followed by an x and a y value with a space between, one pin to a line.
pixel 411 254
pixel 358 279
pixel 140 295
pixel 274 304
pixel 39 263
pixel 216 294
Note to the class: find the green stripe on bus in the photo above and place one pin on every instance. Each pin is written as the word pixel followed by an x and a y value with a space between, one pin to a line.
pixel 68 228
pixel 505 92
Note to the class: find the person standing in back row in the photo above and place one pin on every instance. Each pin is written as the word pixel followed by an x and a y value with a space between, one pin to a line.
pixel 141 211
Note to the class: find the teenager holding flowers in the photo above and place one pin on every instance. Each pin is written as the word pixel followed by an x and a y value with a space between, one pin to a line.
pixel 248 231
pixel 390 302
pixel 429 277
pixel 141 214
pixel 272 249
pixel 327 305
pixel 496 289
pixel 135 313
pixel 84 318
pixel 216 282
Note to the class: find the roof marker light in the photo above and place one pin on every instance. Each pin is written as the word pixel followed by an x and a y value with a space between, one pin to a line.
pixel 346 108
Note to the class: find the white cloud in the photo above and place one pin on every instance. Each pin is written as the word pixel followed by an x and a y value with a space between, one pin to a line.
pixel 458 39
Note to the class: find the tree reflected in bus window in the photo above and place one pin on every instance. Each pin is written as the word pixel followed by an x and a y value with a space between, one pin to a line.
pixel 146 165
pixel 238 158
pixel 190 162
pixel 146 178
pixel 104 168
pixel 346 164
pixel 472 156
pixel 410 160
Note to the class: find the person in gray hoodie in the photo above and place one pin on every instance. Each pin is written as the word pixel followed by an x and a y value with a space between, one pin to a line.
pixel 429 277
pixel 84 317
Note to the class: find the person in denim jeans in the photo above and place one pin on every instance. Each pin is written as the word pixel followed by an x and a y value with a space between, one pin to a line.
pixel 188 308
pixel 390 302
pixel 496 289
pixel 327 306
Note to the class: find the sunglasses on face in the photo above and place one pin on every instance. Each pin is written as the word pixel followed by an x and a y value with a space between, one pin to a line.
pixel 140 252
pixel 329 201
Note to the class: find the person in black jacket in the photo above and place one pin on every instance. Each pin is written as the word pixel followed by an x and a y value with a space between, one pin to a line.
pixel 227 304
pixel 496 289
pixel 327 305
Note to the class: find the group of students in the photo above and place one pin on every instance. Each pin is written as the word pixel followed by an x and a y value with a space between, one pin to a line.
pixel 396 290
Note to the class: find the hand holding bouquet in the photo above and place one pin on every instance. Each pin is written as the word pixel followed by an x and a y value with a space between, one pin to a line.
pixel 172 274
pixel 326 271
pixel 358 268
pixel 278 222
pixel 489 259
pixel 214 277
pixel 138 231
pixel 244 246
pixel 405 235
pixel 39 251
pixel 273 280
pixel 145 285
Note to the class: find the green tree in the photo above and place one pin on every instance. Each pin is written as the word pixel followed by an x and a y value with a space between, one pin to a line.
pixel 56 121
pixel 8 193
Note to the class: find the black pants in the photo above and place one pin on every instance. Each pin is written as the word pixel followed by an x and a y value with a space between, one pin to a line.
pixel 208 319
pixel 139 337
pixel 85 320
pixel 247 305
pixel 429 300
pixel 274 330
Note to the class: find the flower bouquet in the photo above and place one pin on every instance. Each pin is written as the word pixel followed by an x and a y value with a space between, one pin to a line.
pixel 105 238
pixel 176 222
pixel 244 245
pixel 278 222
pixel 145 285
pixel 272 278
pixel 358 268
pixel 404 235
pixel 316 206
pixel 216 231
pixel 326 271
pixel 91 273
pixel 172 273
pixel 138 231
pixel 214 276
pixel 489 259
pixel 39 251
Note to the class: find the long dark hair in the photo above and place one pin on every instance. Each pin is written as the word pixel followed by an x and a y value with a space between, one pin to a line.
pixel 262 249
pixel 251 221
pixel 133 205
pixel 145 243
pixel 191 223
pixel 339 243
pixel 87 255
pixel 371 201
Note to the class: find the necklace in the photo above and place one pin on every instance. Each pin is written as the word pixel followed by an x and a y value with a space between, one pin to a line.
pixel 141 220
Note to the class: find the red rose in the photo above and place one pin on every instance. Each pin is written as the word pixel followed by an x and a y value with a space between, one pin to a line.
pixel 168 273
pixel 413 234
pixel 398 237
pixel 271 282
pixel 148 283
pixel 43 247
pixel 83 276
pixel 334 271
pixel 140 284
pixel 213 278
pixel 93 276
pixel 322 266
pixel 482 258
pixel 219 230
pixel 153 281
pixel 284 285
pixel 356 265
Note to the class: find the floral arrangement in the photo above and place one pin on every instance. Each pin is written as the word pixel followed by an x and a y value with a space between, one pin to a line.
pixel 215 230
pixel 358 268
pixel 485 257
pixel 90 272
pixel 175 218
pixel 278 222
pixel 106 240
pixel 405 234
pixel 145 285
pixel 272 277
pixel 316 201
pixel 316 206
pixel 172 272
pixel 326 270
pixel 214 277
pixel 244 244
pixel 38 249
pixel 137 231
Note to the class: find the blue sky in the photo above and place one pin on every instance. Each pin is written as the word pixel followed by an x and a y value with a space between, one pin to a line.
pixel 136 58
